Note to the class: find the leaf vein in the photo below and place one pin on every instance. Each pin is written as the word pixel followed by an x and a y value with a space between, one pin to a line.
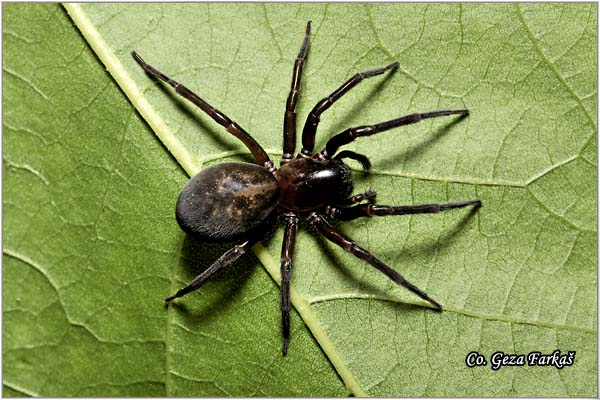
pixel 25 80
pixel 550 65
pixel 473 314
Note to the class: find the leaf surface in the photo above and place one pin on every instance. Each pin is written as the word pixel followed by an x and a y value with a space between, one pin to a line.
pixel 92 247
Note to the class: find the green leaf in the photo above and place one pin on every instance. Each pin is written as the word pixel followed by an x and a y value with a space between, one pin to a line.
pixel 91 245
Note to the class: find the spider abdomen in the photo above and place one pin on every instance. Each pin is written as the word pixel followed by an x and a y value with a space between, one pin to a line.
pixel 306 184
pixel 225 202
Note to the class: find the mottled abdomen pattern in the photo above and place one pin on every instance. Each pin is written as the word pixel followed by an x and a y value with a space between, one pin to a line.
pixel 226 202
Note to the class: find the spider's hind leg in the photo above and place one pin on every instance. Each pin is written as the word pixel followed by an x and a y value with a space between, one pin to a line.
pixel 227 258
pixel 260 155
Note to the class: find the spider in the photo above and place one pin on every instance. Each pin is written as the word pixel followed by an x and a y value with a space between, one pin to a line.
pixel 238 202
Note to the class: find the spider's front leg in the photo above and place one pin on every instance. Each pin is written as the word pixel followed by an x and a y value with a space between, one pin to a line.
pixel 349 135
pixel 372 210
pixel 287 252
pixel 352 247
pixel 314 117
pixel 333 212
pixel 370 196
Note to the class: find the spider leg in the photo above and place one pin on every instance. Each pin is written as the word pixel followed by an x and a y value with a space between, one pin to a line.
pixel 349 135
pixel 289 122
pixel 370 195
pixel 257 151
pixel 287 252
pixel 371 210
pixel 350 246
pixel 362 159
pixel 227 258
pixel 314 117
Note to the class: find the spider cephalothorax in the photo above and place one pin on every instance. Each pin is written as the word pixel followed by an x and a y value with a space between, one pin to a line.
pixel 235 202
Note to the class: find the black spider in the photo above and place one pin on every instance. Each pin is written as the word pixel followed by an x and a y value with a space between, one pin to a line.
pixel 235 202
